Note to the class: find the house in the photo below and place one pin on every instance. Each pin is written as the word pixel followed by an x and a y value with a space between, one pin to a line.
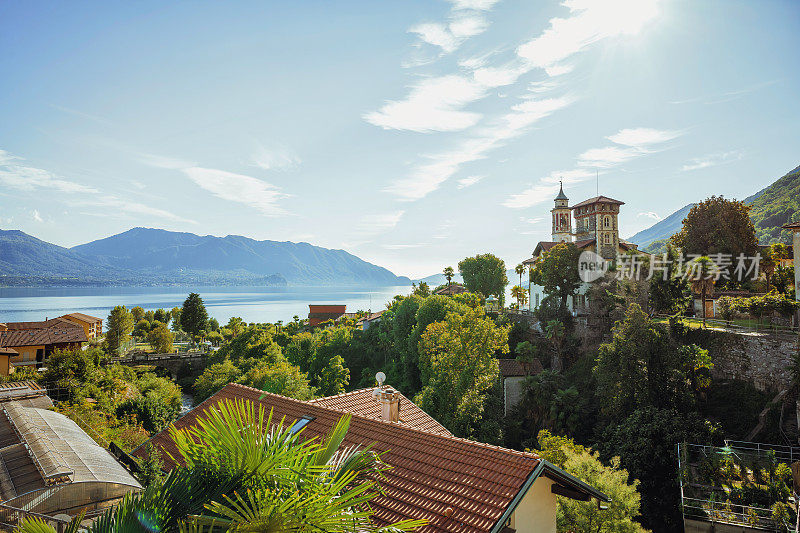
pixel 795 228
pixel 317 314
pixel 712 307
pixel 513 374
pixel 92 326
pixel 456 484
pixel 450 290
pixel 31 343
pixel 596 230
pixel 369 320
pixel 49 465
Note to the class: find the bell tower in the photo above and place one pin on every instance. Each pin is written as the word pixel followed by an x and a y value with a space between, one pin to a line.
pixel 562 218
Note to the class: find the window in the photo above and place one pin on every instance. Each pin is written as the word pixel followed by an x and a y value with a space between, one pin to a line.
pixel 537 300
pixel 606 239
pixel 607 222
pixel 300 424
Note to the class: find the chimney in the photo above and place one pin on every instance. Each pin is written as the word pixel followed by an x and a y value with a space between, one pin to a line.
pixel 390 404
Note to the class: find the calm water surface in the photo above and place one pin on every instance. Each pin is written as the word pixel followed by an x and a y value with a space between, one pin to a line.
pixel 252 304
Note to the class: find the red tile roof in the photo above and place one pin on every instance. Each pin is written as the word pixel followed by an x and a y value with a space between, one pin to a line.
pixel 53 331
pixel 453 288
pixel 363 402
pixel 86 318
pixel 598 200
pixel 430 473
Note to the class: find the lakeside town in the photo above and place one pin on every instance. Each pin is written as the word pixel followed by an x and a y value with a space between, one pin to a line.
pixel 600 397
pixel 430 266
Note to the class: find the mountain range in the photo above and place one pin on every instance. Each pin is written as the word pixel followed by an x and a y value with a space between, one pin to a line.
pixel 144 256
pixel 770 208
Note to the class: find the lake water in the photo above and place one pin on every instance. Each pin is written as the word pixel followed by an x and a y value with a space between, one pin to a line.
pixel 252 304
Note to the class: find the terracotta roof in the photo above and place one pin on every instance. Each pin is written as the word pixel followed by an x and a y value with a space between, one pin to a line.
pixel 584 243
pixel 430 473
pixel 792 225
pixel 8 351
pixel 86 318
pixel 363 402
pixel 453 288
pixel 598 200
pixel 53 331
pixel 511 368
pixel 370 318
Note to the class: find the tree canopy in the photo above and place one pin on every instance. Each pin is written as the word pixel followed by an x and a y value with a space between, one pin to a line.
pixel 717 225
pixel 557 272
pixel 484 274
pixel 193 314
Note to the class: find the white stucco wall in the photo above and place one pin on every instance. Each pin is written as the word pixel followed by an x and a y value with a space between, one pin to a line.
pixel 536 512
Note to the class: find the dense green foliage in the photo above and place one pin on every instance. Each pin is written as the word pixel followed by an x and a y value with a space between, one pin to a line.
pixel 775 206
pixel 120 327
pixel 484 274
pixel 717 225
pixel 193 314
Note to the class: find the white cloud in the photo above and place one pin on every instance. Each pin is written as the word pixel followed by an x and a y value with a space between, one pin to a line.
pixel 404 246
pixel 589 21
pixel 642 137
pixel 469 181
pixel 650 214
pixel 433 104
pixel 481 5
pixel 535 220
pixel 712 160
pixel 275 159
pixel 607 157
pixel 238 188
pixel 451 35
pixel 36 216
pixel 546 189
pixel 15 173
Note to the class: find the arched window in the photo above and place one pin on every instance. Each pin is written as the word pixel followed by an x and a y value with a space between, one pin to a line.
pixel 607 222
pixel 606 239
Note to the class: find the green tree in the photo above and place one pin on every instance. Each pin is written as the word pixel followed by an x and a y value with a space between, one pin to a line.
pixel 214 378
pixel 160 338
pixel 162 316
pixel 422 289
pixel 717 225
pixel 141 329
pixel 279 378
pixel 556 334
pixel 138 313
pixel 319 355
pixel 669 291
pixel 449 274
pixel 557 272
pixel 701 280
pixel 520 294
pixel 520 270
pixel 120 326
pixel 175 315
pixel 459 368
pixel 484 274
pixel 193 314
pixel 646 443
pixel 642 367
pixel 610 479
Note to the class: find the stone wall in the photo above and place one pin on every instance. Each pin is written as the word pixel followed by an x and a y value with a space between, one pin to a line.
pixel 760 359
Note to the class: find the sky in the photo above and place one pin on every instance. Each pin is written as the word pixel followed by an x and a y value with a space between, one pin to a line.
pixel 411 133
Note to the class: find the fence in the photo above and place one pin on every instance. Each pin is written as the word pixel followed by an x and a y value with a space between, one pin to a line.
pixel 10 518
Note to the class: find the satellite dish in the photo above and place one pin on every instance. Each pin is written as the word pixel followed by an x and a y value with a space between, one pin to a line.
pixel 380 377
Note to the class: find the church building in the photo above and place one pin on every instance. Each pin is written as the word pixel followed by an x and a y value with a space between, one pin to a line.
pixel 596 229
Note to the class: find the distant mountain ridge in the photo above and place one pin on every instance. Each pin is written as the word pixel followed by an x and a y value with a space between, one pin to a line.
pixel 770 208
pixel 144 256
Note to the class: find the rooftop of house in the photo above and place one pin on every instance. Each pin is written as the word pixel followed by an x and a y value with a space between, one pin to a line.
pixel 792 225
pixel 83 317
pixel 53 331
pixel 370 317
pixel 456 484
pixel 597 200
pixel 453 288
pixel 363 402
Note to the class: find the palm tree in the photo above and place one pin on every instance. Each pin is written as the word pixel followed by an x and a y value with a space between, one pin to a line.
pixel 449 273
pixel 702 283
pixel 520 269
pixel 520 294
pixel 242 472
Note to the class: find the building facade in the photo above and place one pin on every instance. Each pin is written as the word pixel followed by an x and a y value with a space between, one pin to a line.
pixel 795 228
pixel 596 229
pixel 31 343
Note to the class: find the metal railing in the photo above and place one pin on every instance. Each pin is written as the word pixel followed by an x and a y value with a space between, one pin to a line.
pixel 11 517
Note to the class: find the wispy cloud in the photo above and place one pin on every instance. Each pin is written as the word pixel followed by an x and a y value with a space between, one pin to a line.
pixel 279 158
pixel 36 216
pixel 238 188
pixel 469 181
pixel 712 160
pixel 631 143
pixel 433 104
pixel 466 19
pixel 650 214
pixel 17 174
pixel 373 225
pixel 81 114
